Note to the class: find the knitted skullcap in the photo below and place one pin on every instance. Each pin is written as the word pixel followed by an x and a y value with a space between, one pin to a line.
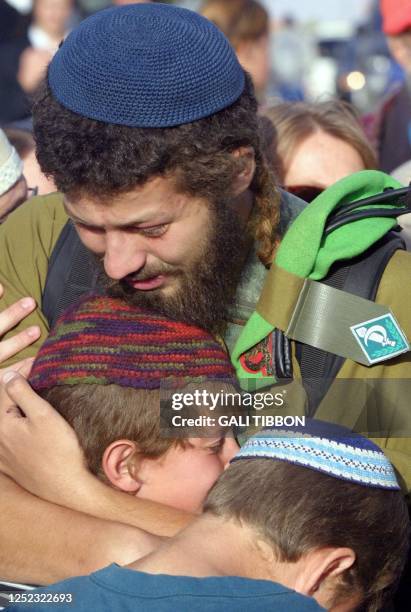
pixel 11 166
pixel 146 65
pixel 104 341
pixel 324 447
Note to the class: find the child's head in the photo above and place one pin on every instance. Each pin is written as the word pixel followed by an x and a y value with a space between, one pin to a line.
pixel 327 505
pixel 101 368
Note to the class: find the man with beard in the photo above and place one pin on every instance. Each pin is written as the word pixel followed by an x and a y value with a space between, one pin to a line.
pixel 163 173
pixel 148 126
pixel 165 182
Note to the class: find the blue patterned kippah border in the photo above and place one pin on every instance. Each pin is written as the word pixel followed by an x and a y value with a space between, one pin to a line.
pixel 348 457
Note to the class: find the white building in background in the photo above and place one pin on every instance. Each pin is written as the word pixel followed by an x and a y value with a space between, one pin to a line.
pixel 319 10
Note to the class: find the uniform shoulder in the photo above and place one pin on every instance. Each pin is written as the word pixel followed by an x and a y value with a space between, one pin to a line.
pixel 43 216
pixel 53 202
pixel 395 288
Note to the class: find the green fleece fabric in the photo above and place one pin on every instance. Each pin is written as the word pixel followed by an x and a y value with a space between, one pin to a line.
pixel 306 253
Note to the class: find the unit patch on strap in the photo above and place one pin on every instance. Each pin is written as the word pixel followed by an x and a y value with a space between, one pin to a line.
pixel 380 338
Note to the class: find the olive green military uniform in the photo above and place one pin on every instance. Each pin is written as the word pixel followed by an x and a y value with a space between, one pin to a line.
pixel 27 240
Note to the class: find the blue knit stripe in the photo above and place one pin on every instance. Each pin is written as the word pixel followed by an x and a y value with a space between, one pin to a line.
pixel 323 446
pixel 367 467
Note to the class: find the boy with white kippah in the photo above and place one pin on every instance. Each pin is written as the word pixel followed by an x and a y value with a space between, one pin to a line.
pixel 13 186
pixel 302 518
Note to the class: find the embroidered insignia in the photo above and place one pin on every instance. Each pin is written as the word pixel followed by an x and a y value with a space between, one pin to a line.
pixel 259 359
pixel 380 338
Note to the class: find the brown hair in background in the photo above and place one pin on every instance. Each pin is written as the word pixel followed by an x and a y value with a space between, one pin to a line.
pixel 240 20
pixel 295 121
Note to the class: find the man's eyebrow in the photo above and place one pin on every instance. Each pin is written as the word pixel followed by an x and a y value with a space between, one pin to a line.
pixel 130 223
pixel 73 217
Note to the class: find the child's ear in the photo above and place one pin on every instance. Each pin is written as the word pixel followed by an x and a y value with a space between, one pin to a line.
pixel 116 464
pixel 321 572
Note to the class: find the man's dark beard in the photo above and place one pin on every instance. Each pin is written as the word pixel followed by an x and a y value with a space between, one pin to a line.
pixel 207 289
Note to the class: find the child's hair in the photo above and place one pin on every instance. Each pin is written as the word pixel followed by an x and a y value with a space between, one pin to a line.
pixel 102 414
pixel 295 509
pixel 102 367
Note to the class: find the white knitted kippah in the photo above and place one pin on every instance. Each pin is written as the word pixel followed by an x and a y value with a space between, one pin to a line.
pixel 11 166
pixel 324 447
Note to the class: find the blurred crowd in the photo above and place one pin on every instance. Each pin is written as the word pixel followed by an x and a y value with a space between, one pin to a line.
pixel 321 87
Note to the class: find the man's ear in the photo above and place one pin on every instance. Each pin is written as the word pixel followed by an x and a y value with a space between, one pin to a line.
pixel 116 465
pixel 244 178
pixel 320 572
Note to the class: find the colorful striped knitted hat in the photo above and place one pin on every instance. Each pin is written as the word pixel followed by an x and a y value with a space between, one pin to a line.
pixel 104 341
pixel 324 447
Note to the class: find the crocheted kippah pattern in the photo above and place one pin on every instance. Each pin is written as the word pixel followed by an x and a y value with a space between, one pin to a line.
pixel 11 166
pixel 146 65
pixel 104 341
pixel 327 448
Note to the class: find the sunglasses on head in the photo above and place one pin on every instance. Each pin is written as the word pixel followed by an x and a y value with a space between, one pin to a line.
pixel 308 193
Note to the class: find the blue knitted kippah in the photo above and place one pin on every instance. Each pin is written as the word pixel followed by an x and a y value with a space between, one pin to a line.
pixel 146 65
pixel 327 448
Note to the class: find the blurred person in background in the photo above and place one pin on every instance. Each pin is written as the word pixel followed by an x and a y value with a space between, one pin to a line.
pixel 247 27
pixel 23 142
pixel 315 145
pixel 23 60
pixel 391 126
pixel 13 186
pixel 293 52
pixel 122 2
pixel 12 22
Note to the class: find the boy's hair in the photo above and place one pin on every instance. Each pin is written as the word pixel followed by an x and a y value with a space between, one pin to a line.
pixel 102 414
pixel 296 509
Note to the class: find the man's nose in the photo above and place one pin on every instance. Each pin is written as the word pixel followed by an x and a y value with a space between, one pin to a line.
pixel 230 448
pixel 124 255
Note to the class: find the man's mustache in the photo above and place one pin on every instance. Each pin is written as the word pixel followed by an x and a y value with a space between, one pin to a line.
pixel 141 275
pixel 150 272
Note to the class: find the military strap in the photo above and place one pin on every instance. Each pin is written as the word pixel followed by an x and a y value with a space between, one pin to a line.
pixel 334 320
pixel 71 273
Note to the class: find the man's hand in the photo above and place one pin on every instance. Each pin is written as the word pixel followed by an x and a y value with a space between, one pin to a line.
pixel 9 318
pixel 38 448
pixel 40 451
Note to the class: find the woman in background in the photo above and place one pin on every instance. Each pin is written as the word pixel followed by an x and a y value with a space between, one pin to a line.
pixel 315 145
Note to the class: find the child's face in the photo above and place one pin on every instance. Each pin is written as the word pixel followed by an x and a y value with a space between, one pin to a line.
pixel 183 476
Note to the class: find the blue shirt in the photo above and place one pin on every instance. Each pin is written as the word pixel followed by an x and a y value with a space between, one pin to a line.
pixel 116 589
